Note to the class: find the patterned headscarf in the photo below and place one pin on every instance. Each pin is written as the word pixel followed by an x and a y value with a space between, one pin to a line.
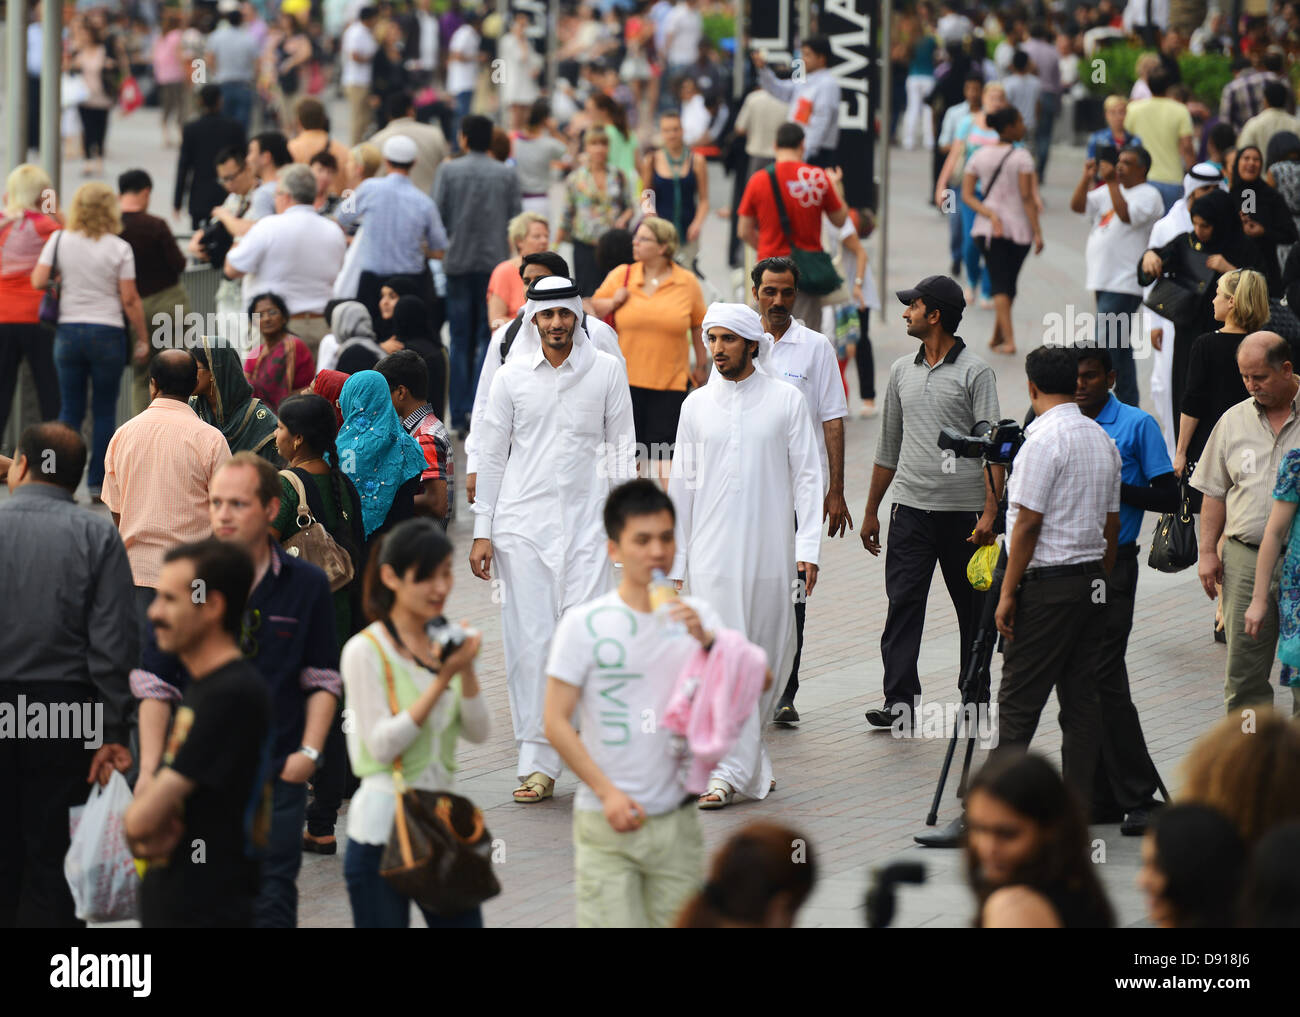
pixel 374 450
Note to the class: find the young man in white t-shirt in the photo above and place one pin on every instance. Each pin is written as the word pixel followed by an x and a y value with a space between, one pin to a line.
pixel 639 855
pixel 462 69
pixel 1121 212
pixel 358 50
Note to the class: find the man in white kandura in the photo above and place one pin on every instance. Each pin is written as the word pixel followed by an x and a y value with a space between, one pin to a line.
pixel 747 463
pixel 556 436
pixel 503 344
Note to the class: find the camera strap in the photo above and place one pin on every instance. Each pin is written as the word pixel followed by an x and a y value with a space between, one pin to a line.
pixel 392 632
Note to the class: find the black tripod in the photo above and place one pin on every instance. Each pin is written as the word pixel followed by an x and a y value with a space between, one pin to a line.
pixel 976 680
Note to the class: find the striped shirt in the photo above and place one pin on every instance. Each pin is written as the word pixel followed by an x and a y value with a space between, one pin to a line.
pixel 921 400
pixel 401 222
pixel 156 474
pixel 428 430
pixel 1068 470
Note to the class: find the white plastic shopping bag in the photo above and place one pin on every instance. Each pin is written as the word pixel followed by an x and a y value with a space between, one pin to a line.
pixel 99 867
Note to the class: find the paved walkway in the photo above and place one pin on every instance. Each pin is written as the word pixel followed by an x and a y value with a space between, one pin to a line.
pixel 857 795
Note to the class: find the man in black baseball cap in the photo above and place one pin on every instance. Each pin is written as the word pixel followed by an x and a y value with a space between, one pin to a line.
pixel 943 507
pixel 936 289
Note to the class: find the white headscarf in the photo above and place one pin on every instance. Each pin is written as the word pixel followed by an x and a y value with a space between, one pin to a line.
pixel 530 340
pixel 744 321
pixel 539 301
pixel 1200 175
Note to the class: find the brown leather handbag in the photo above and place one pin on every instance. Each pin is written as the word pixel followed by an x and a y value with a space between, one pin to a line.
pixel 439 852
pixel 313 542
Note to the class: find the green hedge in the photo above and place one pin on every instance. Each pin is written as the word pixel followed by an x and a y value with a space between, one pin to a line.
pixel 1204 75
pixel 719 26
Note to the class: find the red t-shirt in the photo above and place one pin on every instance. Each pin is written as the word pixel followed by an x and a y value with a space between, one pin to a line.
pixel 807 195
pixel 21 243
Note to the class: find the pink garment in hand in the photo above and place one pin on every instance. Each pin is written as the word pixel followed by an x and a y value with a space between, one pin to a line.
pixel 714 696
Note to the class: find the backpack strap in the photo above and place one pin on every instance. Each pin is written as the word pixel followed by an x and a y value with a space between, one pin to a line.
pixel 508 339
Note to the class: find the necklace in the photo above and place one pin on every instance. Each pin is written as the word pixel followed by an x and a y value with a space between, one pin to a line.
pixel 651 282
pixel 302 462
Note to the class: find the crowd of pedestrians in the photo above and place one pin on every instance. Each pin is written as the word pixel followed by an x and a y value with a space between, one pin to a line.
pixel 264 619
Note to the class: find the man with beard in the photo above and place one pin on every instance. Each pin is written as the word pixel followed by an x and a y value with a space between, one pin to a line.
pixel 806 359
pixel 555 437
pixel 217 760
pixel 943 507
pixel 534 267
pixel 746 469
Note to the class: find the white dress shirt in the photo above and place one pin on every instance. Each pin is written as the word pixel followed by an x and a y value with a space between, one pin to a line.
pixel 296 254
pixel 806 359
pixel 1069 471
pixel 603 337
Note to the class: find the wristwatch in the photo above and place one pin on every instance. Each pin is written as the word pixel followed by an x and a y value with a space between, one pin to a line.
pixel 310 753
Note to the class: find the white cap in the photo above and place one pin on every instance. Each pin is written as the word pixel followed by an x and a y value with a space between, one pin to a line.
pixel 228 6
pixel 400 149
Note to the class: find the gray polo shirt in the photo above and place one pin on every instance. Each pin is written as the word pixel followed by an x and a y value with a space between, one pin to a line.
pixel 477 197
pixel 921 400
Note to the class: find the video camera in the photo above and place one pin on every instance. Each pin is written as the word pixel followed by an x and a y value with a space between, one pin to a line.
pixel 997 444
pixel 216 242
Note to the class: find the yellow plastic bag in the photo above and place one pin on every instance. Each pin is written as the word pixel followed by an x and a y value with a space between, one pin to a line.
pixel 979 570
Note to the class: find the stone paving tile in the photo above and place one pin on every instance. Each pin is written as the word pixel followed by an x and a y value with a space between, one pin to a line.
pixel 858 796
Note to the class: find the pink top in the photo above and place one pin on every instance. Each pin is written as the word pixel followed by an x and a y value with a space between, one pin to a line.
pixel 506 284
pixel 1005 197
pixel 167 68
pixel 714 697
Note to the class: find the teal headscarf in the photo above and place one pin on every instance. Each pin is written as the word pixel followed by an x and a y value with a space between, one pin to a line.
pixel 374 450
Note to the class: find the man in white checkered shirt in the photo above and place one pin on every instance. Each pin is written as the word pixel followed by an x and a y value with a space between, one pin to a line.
pixel 1062 529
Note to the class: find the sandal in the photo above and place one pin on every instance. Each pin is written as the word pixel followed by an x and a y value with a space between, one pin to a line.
pixel 720 789
pixel 535 788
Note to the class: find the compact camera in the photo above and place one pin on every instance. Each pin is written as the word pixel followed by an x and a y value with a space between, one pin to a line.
pixel 447 636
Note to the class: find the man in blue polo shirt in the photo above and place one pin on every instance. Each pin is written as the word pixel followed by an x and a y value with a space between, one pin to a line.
pixel 288 636
pixel 1127 780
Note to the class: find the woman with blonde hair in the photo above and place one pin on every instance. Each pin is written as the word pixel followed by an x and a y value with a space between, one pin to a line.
pixel 1246 767
pixel 95 268
pixel 1213 380
pixel 24 228
pixel 1146 64
pixel 528 233
pixel 658 310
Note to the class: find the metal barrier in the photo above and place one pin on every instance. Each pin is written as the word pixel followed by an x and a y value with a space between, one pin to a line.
pixel 200 282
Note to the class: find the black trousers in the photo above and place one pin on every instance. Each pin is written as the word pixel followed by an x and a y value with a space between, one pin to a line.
pixel 332 782
pixel 917 540
pixel 33 112
pixel 40 780
pixel 1059 629
pixel 800 612
pixel 863 358
pixel 1126 778
pixel 36 344
pixel 94 129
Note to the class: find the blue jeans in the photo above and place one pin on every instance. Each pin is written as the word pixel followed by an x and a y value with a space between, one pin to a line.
pixel 237 102
pixel 460 111
pixel 1118 339
pixel 954 229
pixel 277 896
pixel 1049 105
pixel 1172 193
pixel 468 324
pixel 376 905
pixel 94 353
pixel 978 275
